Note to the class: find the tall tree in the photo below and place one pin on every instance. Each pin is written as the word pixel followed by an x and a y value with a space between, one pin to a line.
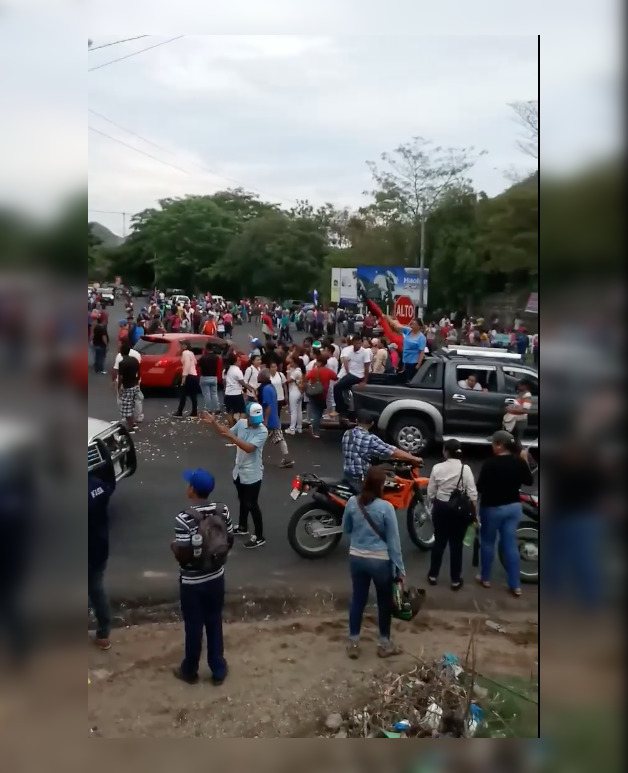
pixel 527 116
pixel 413 181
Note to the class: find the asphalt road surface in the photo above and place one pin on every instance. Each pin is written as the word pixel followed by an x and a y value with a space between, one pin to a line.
pixel 143 508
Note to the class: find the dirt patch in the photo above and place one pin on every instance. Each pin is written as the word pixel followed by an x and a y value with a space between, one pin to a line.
pixel 285 674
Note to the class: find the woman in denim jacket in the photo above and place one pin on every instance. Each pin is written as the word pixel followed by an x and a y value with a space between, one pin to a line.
pixel 372 557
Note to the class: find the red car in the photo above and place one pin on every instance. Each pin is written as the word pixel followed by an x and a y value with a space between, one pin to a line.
pixel 161 357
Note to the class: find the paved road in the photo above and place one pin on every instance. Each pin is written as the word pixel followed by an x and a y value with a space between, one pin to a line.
pixel 144 506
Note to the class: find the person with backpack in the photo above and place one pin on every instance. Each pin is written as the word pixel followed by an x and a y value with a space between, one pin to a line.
pixel 454 496
pixel 203 539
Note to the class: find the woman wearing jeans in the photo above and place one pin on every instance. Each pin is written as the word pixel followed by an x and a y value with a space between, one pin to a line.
pixel 209 365
pixel 498 485
pixel 375 555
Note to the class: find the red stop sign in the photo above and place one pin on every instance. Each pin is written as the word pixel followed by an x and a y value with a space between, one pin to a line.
pixel 404 310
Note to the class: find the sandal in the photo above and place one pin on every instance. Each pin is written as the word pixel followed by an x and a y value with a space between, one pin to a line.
pixel 483 583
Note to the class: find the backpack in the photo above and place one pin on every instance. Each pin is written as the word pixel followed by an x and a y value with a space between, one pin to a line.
pixel 212 527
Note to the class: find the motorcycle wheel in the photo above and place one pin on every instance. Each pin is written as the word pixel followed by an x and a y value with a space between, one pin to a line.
pixel 528 545
pixel 303 542
pixel 419 522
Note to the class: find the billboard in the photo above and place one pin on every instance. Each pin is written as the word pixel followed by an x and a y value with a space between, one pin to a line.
pixel 384 284
pixel 344 285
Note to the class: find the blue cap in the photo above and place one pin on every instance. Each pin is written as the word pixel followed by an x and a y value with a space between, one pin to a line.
pixel 201 481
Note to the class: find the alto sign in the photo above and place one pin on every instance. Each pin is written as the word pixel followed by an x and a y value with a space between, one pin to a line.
pixel 404 310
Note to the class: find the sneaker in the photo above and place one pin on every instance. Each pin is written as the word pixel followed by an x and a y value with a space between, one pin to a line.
pixel 290 431
pixel 353 650
pixel 218 682
pixel 178 674
pixel 287 463
pixel 254 542
pixel 238 532
pixel 103 644
pixel 388 650
pixel 177 415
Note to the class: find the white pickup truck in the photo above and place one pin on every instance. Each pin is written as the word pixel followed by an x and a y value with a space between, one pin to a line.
pixel 110 450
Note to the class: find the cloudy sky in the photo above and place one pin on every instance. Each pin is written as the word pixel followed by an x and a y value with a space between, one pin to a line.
pixel 294 103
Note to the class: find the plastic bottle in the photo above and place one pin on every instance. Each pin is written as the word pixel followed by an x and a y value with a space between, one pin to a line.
pixel 469 537
pixel 197 545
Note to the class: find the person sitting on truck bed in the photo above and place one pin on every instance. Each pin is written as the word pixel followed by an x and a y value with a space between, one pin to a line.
pixel 359 444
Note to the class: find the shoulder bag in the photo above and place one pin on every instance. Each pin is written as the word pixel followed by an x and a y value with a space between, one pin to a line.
pixel 459 501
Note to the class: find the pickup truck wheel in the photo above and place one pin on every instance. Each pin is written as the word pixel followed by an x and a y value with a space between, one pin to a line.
pixel 412 434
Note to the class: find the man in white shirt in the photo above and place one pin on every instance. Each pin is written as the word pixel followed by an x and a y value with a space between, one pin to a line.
pixel 189 381
pixel 332 364
pixel 356 361
pixel 470 382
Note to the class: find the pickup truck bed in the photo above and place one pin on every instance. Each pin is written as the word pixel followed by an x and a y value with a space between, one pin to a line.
pixel 433 407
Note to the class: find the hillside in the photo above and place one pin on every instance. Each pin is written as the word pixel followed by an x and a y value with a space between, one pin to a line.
pixel 104 235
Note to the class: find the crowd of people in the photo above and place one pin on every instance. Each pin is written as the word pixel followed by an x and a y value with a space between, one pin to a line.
pixel 310 378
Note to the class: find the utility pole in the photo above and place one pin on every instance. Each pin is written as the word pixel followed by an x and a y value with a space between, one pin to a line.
pixel 422 266
pixel 124 214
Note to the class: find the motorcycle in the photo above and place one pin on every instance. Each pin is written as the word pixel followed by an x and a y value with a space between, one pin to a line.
pixel 315 528
pixel 527 539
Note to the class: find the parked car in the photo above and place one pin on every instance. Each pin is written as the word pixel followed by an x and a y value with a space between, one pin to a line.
pixel 107 296
pixel 180 300
pixel 432 407
pixel 161 359
pixel 110 450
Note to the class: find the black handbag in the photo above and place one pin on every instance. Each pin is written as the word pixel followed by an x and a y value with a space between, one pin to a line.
pixel 460 504
pixel 315 388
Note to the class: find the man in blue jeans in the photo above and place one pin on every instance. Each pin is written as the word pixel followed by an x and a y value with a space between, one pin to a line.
pixel 202 593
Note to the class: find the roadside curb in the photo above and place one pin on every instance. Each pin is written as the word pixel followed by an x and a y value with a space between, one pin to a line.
pixel 254 604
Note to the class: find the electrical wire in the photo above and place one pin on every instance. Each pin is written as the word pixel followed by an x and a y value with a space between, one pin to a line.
pixel 196 163
pixel 137 150
pixel 135 53
pixel 126 40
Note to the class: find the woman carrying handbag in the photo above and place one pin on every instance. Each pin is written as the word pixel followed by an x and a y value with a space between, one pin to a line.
pixel 454 496
pixel 374 555
pixel 316 385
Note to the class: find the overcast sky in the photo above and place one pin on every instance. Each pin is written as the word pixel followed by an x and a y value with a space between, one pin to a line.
pixel 297 115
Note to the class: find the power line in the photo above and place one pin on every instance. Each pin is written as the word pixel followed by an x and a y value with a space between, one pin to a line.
pixel 196 163
pixel 135 53
pixel 128 131
pixel 137 150
pixel 126 40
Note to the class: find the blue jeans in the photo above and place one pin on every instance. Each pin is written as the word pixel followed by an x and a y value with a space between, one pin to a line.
pixel 571 550
pixel 97 597
pixel 201 608
pixel 504 520
pixel 363 570
pixel 316 414
pixel 209 389
pixel 100 354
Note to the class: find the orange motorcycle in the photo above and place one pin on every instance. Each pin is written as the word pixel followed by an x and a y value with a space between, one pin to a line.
pixel 315 528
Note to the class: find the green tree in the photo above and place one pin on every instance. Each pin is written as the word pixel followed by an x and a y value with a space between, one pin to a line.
pixel 412 183
pixel 276 255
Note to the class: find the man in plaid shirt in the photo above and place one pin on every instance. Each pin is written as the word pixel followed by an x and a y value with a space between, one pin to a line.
pixel 359 444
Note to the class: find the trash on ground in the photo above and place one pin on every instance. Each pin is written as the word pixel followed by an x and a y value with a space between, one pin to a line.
pixel 495 626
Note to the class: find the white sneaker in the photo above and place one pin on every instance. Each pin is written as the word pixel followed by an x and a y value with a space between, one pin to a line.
pixel 290 431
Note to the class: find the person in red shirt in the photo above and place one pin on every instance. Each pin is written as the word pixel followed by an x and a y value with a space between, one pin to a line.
pixel 104 317
pixel 124 332
pixel 368 325
pixel 321 375
pixel 268 329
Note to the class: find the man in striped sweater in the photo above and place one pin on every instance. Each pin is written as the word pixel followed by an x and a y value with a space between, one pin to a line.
pixel 202 593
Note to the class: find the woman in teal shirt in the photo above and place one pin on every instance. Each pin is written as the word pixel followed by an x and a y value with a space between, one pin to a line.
pixel 414 343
